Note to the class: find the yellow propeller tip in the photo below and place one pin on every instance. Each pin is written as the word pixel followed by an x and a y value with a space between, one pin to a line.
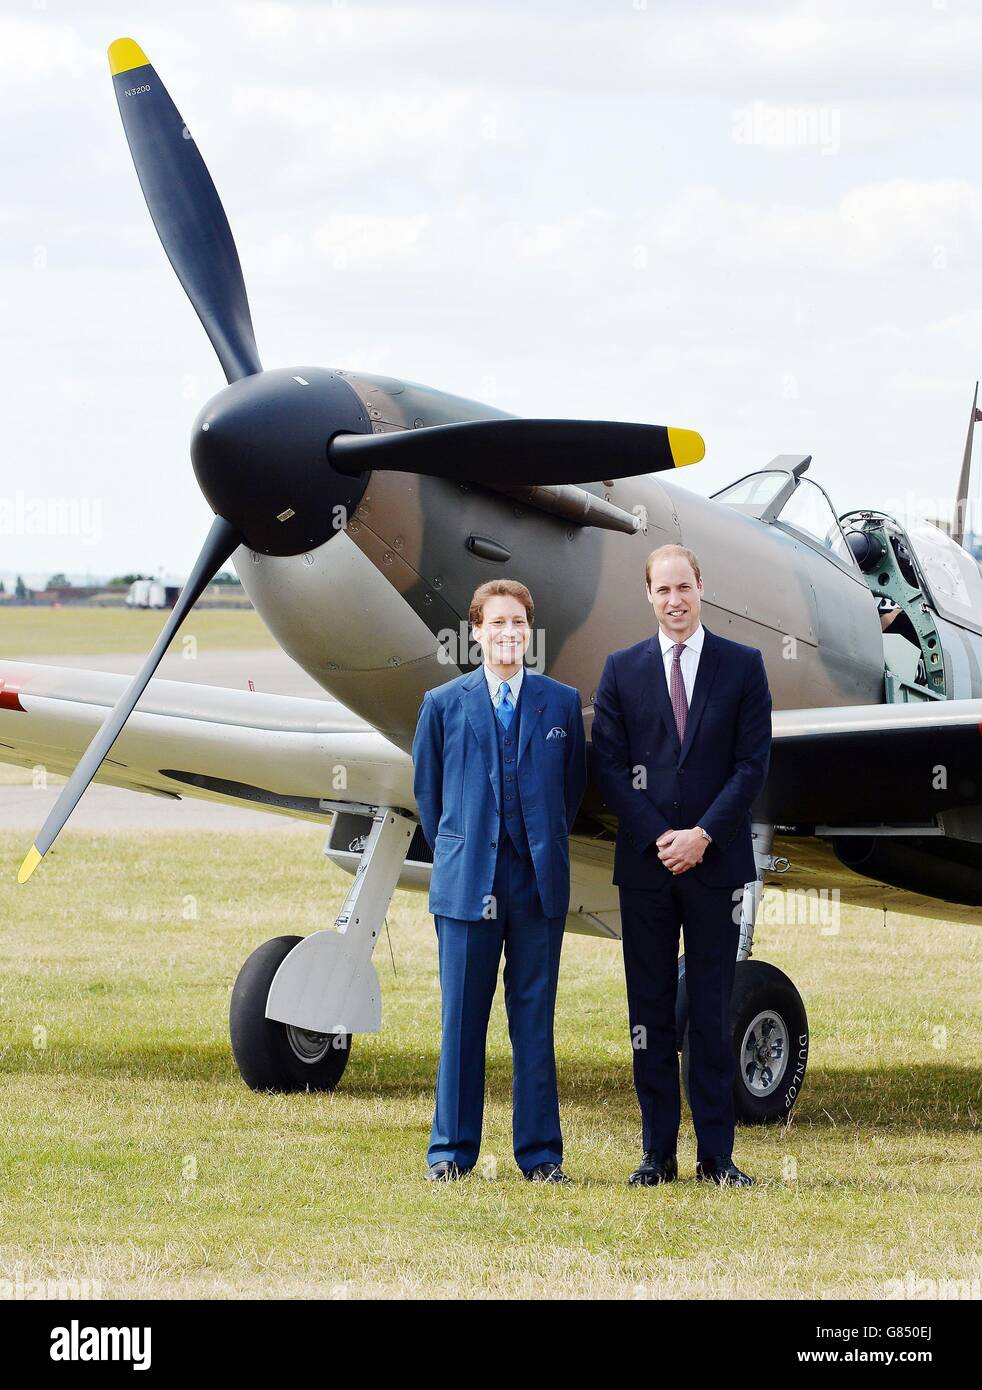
pixel 125 54
pixel 31 860
pixel 686 446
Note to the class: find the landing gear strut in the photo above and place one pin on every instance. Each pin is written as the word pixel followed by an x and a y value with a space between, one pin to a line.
pixel 298 999
pixel 768 1022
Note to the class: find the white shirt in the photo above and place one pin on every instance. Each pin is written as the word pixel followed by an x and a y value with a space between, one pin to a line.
pixel 514 684
pixel 690 659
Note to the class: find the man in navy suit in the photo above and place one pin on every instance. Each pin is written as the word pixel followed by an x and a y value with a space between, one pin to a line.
pixel 500 767
pixel 681 743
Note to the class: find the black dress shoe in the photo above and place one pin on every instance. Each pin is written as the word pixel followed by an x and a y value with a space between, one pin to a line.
pixel 654 1170
pixel 546 1172
pixel 445 1172
pixel 722 1171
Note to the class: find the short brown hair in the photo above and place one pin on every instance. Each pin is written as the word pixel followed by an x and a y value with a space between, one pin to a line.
pixel 499 586
pixel 678 552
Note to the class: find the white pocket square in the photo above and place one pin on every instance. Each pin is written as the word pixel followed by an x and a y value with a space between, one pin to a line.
pixel 556 732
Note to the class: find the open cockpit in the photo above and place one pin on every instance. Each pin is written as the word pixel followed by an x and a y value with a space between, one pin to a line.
pixel 918 576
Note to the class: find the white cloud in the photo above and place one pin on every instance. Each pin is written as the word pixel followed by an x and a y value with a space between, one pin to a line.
pixel 314 134
pixel 820 46
pixel 920 224
pixel 34 50
pixel 963 330
pixel 540 203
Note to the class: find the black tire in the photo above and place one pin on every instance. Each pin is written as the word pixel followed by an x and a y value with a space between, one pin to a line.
pixel 766 1015
pixel 274 1056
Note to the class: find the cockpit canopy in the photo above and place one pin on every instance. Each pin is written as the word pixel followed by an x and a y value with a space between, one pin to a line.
pixel 780 495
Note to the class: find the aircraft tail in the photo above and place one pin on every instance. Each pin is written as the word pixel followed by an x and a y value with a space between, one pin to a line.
pixel 965 478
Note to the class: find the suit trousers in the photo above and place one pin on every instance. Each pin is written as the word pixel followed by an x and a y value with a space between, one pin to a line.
pixel 650 923
pixel 470 953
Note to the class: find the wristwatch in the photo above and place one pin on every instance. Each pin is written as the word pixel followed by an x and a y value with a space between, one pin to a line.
pixel 705 835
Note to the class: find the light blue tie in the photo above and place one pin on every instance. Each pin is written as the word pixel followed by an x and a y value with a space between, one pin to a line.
pixel 504 709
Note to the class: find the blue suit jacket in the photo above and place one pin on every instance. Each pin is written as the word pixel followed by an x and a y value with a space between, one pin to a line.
pixel 653 785
pixel 458 791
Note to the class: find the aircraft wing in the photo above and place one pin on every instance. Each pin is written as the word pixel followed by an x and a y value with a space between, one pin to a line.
pixel 877 765
pixel 299 757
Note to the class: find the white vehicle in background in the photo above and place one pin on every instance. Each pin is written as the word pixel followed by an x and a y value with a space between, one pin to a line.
pixel 146 593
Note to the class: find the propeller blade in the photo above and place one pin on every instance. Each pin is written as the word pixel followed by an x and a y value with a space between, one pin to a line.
pixel 222 540
pixel 185 208
pixel 518 452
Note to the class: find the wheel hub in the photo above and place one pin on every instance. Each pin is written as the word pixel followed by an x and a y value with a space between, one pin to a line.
pixel 764 1052
pixel 308 1046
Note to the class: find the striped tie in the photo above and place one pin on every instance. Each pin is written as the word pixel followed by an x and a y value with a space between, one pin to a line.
pixel 680 704
pixel 504 709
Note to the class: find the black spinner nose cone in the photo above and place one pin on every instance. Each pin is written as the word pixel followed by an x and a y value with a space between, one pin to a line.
pixel 259 450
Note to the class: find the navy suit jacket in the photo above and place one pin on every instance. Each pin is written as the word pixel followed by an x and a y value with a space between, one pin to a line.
pixel 653 785
pixel 458 789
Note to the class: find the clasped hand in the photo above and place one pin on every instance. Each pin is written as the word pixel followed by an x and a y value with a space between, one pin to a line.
pixel 679 850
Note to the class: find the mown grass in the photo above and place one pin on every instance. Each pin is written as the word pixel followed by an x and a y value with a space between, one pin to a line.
pixel 26 633
pixel 133 1155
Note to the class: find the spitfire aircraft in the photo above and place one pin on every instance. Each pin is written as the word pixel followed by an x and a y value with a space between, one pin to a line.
pixel 361 512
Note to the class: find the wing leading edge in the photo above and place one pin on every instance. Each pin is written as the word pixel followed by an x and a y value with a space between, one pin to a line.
pixel 875 765
pixel 300 757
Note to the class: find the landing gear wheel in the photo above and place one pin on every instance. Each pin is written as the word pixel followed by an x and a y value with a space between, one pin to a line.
pixel 274 1056
pixel 769 1027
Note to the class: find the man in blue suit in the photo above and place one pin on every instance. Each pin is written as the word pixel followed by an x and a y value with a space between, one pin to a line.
pixel 681 744
pixel 500 768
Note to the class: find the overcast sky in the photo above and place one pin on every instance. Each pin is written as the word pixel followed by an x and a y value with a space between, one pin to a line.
pixel 762 221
